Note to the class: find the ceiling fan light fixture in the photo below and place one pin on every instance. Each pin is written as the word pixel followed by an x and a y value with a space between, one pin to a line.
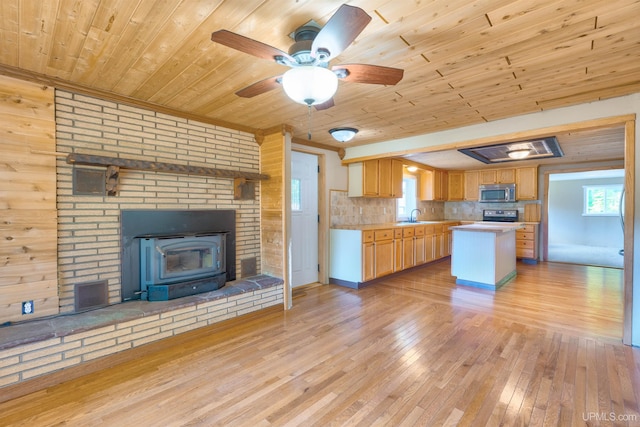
pixel 343 134
pixel 519 154
pixel 309 84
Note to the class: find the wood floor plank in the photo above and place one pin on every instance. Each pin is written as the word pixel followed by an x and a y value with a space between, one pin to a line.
pixel 412 350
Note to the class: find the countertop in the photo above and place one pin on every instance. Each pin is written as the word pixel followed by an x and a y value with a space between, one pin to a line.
pixel 490 227
pixel 390 225
pixel 413 224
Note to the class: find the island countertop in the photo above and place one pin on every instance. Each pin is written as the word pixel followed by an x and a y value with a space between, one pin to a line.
pixel 489 227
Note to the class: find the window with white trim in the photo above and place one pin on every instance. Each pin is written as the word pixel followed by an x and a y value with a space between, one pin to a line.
pixel 408 201
pixel 601 200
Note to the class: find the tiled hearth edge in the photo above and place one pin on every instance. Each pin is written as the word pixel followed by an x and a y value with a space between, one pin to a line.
pixel 29 350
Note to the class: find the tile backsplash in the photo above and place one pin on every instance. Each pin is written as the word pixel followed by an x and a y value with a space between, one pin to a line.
pixel 370 210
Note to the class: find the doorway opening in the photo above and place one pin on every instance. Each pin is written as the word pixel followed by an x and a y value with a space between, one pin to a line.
pixel 585 218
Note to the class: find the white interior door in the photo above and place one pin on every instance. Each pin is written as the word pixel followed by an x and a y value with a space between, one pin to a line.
pixel 304 218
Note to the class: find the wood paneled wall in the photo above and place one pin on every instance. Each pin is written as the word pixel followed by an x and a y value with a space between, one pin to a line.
pixel 272 199
pixel 28 253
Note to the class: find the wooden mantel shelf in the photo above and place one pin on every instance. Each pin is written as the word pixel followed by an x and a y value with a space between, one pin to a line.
pixel 93 160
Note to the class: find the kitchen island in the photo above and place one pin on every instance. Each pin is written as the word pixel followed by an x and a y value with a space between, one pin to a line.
pixel 484 254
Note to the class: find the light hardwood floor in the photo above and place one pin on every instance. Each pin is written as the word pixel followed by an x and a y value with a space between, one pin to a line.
pixel 413 350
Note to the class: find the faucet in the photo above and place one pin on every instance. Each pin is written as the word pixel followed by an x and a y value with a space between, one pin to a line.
pixel 411 218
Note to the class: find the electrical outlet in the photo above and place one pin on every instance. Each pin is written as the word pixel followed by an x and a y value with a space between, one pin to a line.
pixel 27 307
pixel 385 211
pixel 360 210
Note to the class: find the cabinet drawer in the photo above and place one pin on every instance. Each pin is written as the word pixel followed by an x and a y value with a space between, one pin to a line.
pixel 397 233
pixel 428 229
pixel 386 234
pixel 367 236
pixel 419 231
pixel 437 228
pixel 524 253
pixel 528 228
pixel 408 232
pixel 525 244
pixel 520 235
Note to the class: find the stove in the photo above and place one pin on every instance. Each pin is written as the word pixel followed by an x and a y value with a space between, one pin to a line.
pixel 500 215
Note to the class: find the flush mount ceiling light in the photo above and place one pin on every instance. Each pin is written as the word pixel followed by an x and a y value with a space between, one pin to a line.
pixel 412 168
pixel 310 85
pixel 520 150
pixel 518 154
pixel 343 134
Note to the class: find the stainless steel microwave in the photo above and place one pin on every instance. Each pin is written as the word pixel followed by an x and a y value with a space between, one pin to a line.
pixel 497 193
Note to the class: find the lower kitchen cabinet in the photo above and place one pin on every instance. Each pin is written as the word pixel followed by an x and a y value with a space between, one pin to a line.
pixel 418 246
pixel 383 252
pixel 359 256
pixel 527 242
pixel 408 247
pixel 368 256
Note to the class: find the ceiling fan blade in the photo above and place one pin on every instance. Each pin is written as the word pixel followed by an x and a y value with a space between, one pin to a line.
pixel 340 31
pixel 325 105
pixel 372 74
pixel 260 87
pixel 250 46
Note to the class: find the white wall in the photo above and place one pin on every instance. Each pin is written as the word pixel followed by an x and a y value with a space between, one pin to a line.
pixel 567 225
pixel 530 122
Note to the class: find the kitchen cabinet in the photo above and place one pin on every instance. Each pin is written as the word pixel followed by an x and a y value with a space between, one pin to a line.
pixel 368 256
pixel 498 176
pixel 418 246
pixel 383 252
pixel 433 185
pixel 527 242
pixel 375 178
pixel 408 247
pixel 397 249
pixel 397 171
pixel 455 185
pixel 471 183
pixel 526 180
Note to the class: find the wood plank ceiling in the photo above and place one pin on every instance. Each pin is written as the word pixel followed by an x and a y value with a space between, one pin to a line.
pixel 465 62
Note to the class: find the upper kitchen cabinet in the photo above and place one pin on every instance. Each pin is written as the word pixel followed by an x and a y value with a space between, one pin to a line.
pixel 375 178
pixel 526 180
pixel 471 183
pixel 498 176
pixel 434 185
pixel 456 186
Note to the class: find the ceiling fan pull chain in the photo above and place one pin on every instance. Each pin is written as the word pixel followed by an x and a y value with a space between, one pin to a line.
pixel 309 131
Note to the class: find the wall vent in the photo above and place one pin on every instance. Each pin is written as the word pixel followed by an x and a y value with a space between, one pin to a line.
pixel 91 295
pixel 88 182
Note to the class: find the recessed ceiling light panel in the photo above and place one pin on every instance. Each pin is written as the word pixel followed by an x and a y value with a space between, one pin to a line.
pixel 533 149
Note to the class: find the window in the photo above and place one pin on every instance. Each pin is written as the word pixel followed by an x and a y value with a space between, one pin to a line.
pixel 296 197
pixel 601 200
pixel 409 196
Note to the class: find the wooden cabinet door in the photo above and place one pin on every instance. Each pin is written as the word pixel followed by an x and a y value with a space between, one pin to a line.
pixel 440 185
pixel 419 250
pixel 370 178
pixel 368 261
pixel 488 176
pixel 527 183
pixel 396 178
pixel 439 245
pixel 471 185
pixel 397 254
pixel 506 176
pixel 384 178
pixel 427 185
pixel 429 248
pixel 384 258
pixel 407 252
pixel 456 186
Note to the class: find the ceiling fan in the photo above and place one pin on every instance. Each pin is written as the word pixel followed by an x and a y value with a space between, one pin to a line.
pixel 310 81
